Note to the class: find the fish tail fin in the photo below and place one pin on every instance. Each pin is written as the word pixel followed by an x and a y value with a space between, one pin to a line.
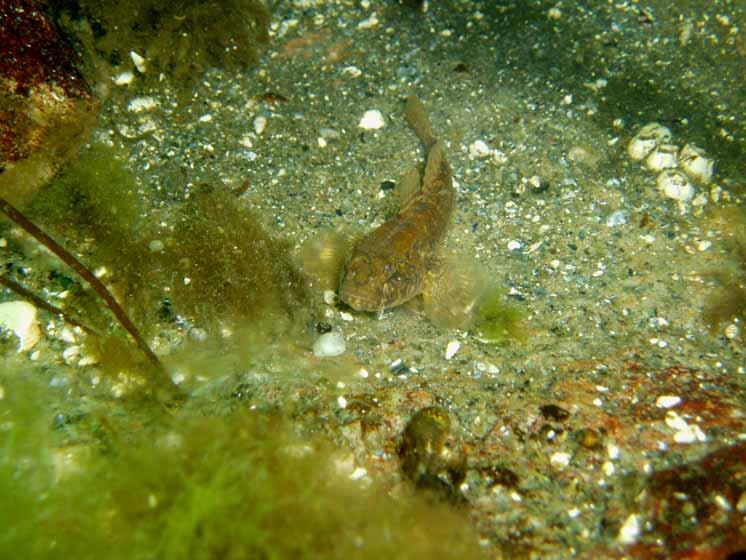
pixel 419 122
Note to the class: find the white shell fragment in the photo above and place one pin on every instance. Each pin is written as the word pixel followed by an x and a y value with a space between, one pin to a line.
pixel 647 139
pixel 629 532
pixel 696 164
pixel 20 318
pixel 260 123
pixel 329 345
pixel 451 348
pixel 663 157
pixel 675 185
pixel 667 401
pixel 372 120
pixel 138 61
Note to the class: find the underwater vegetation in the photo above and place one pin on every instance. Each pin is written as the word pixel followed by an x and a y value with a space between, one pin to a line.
pixel 728 301
pixel 181 38
pixel 206 263
pixel 145 484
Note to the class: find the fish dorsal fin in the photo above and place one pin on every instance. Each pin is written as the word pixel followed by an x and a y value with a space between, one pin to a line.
pixel 435 162
pixel 418 121
pixel 410 185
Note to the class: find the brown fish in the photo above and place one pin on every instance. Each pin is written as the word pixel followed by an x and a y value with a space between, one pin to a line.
pixel 390 264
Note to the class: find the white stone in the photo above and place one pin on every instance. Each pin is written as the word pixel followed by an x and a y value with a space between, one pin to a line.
pixel 260 123
pixel 629 532
pixel 559 460
pixel 372 120
pixel 352 71
pixel 451 348
pixel 479 149
pixel 675 185
pixel 514 245
pixel 141 104
pixel 663 157
pixel 696 164
pixel 20 318
pixel 138 61
pixel 328 345
pixel 667 401
pixel 342 402
pixel 123 78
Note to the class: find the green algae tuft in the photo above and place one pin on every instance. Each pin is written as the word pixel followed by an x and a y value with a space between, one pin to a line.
pixel 182 38
pixel 184 485
pixel 497 320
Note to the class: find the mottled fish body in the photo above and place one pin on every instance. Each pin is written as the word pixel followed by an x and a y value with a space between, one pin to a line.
pixel 389 265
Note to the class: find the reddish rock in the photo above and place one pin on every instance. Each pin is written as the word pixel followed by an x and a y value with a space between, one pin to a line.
pixel 46 106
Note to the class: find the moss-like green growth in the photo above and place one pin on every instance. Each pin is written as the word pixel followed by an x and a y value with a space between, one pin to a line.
pixel 208 260
pixel 497 320
pixel 728 301
pixel 129 484
pixel 181 38
pixel 221 263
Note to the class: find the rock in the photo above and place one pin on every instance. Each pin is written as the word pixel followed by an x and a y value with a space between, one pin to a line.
pixel 46 107
pixel 20 318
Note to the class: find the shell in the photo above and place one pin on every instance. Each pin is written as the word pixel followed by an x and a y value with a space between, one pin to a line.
pixel 696 164
pixel 647 138
pixel 674 184
pixel 663 157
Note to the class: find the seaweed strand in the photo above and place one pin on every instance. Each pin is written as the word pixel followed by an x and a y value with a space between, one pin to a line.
pixel 68 258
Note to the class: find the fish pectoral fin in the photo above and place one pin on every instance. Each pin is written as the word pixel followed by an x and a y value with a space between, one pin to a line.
pixel 410 185
pixel 453 290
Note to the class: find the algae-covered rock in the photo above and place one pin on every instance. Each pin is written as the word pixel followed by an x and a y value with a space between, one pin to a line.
pixel 46 106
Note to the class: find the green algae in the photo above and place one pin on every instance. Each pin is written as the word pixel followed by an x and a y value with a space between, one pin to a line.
pixel 182 38
pixel 127 482
pixel 497 320
pixel 727 301
pixel 208 261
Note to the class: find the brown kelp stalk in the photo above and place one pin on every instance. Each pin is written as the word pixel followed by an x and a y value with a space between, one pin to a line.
pixel 67 257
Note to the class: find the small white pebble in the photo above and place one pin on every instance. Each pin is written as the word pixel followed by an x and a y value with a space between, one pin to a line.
pixel 608 468
pixel 722 502
pixel 260 124
pixel 369 23
pixel 479 149
pixel 20 318
pixel 612 451
pixel 141 104
pixel 358 473
pixel 206 118
pixel 352 71
pixel 573 513
pixel 667 401
pixel 372 120
pixel 451 348
pixel 362 372
pixel 138 61
pixel 329 297
pixel 514 245
pixel 345 316
pixel 123 78
pixel 341 401
pixel 704 245
pixel 629 532
pixel 559 460
pixel 328 345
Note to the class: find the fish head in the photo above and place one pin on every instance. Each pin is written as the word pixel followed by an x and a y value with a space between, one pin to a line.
pixel 374 283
